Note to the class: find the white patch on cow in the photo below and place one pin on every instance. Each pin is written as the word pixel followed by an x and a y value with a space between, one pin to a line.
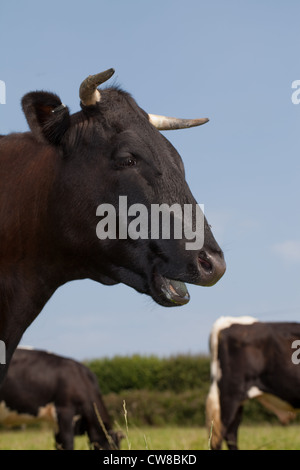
pixel 10 418
pixel 214 396
pixel 32 348
pixel 215 392
pixel 254 392
pixel 226 322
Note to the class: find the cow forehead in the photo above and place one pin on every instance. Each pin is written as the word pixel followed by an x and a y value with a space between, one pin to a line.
pixel 118 110
pixel 118 120
pixel 106 133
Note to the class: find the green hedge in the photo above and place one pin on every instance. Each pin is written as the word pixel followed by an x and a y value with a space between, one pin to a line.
pixel 146 407
pixel 162 391
pixel 176 373
pixel 153 408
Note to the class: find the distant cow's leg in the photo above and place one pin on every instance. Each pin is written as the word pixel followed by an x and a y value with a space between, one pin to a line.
pixel 232 430
pixel 231 413
pixel 64 437
pixel 222 416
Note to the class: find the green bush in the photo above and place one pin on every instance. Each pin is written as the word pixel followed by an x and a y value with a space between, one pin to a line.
pixel 177 373
pixel 156 391
pixel 153 408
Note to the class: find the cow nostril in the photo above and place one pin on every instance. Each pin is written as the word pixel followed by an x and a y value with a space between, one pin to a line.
pixel 203 261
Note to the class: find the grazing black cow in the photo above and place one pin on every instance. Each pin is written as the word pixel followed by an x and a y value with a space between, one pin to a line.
pixel 53 180
pixel 44 387
pixel 251 359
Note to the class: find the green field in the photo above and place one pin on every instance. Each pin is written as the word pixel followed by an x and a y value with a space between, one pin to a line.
pixel 258 437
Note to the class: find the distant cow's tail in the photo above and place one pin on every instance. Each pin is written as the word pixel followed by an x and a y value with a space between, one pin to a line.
pixel 213 409
pixel 213 417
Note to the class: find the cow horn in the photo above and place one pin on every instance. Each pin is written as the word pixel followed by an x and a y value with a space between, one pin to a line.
pixel 164 123
pixel 88 92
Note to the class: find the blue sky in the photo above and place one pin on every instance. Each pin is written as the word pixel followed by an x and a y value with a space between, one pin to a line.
pixel 233 62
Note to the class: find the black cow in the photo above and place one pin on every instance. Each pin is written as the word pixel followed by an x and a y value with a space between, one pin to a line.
pixel 45 387
pixel 53 180
pixel 251 359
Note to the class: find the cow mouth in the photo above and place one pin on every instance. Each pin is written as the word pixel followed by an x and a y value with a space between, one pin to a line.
pixel 170 292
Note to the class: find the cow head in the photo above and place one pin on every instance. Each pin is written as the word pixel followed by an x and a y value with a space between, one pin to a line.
pixel 112 149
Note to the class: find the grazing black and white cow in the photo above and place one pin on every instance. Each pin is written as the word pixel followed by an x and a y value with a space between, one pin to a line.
pixel 57 183
pixel 251 359
pixel 42 386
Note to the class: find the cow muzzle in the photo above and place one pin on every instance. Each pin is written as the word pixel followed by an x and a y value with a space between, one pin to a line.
pixel 211 266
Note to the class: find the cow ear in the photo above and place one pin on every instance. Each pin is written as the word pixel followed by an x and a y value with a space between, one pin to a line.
pixel 47 117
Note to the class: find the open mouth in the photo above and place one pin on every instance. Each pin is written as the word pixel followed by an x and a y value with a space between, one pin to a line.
pixel 171 292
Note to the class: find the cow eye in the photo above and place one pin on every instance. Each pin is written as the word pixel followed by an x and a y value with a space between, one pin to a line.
pixel 126 162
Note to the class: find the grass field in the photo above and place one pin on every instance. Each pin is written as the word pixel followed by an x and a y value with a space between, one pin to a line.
pixel 262 437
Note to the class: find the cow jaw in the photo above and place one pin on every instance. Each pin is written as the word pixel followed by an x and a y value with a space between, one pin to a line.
pixel 171 292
